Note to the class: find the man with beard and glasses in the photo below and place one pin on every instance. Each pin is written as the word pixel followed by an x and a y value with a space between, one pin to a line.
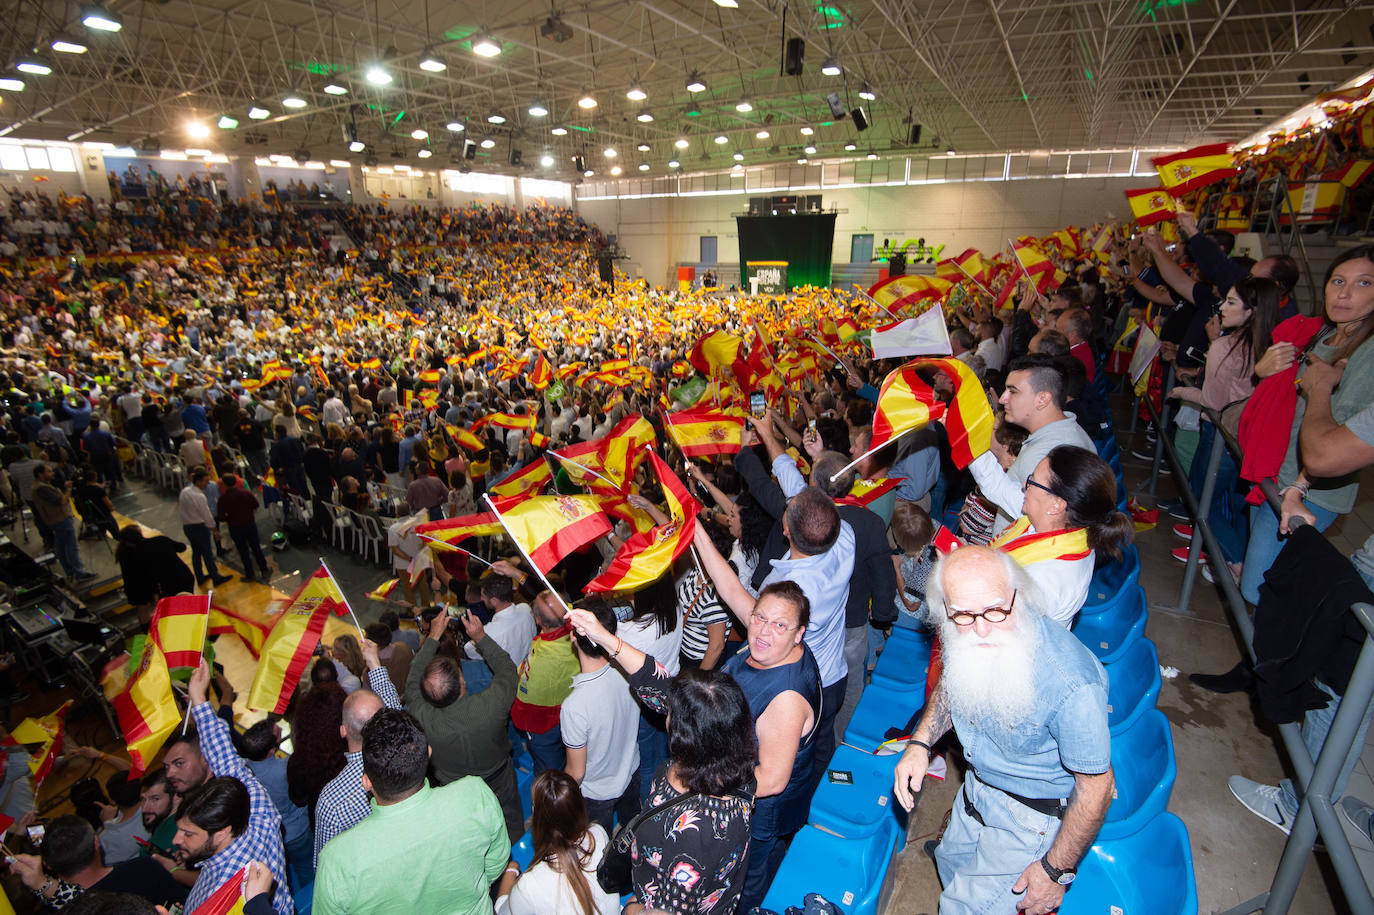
pixel 1029 705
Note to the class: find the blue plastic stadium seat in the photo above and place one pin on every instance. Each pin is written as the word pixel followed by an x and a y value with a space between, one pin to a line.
pixel 880 708
pixel 1143 761
pixel 1109 633
pixel 1132 685
pixel 854 798
pixel 304 898
pixel 1112 579
pixel 848 872
pixel 904 660
pixel 1148 871
pixel 524 779
pixel 1108 448
pixel 522 852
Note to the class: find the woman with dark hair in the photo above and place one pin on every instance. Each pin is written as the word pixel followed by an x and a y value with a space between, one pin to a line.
pixel 318 744
pixel 1070 518
pixel 1247 318
pixel 151 568
pixel 688 859
pixel 568 848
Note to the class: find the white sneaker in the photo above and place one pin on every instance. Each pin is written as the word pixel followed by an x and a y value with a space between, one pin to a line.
pixel 1358 814
pixel 1264 801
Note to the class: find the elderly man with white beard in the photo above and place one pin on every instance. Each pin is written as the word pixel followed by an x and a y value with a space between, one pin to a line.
pixel 1029 705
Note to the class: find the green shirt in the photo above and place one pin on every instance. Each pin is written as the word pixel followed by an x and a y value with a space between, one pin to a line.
pixel 436 852
pixel 469 736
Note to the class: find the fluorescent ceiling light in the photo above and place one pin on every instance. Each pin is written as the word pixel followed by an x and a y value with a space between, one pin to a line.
pixel 335 89
pixel 11 83
pixel 34 65
pixel 102 20
pixel 340 163
pixel 377 76
pixel 68 45
pixel 432 63
pixel 293 101
pixel 257 113
pixel 227 122
pixel 728 4
pixel 485 47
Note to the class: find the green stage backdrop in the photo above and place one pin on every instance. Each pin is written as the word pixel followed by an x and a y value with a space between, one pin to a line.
pixel 805 241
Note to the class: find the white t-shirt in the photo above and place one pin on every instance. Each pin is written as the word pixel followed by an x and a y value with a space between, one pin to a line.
pixel 541 890
pixel 601 715
pixel 643 634
pixel 513 629
pixel 1063 585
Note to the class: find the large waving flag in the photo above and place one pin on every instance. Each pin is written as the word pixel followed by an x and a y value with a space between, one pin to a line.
pixel 645 557
pixel 292 641
pixel 522 421
pixel 623 448
pixel 1150 205
pixel 895 288
pixel 905 402
pixel 146 708
pixel 548 528
pixel 975 266
pixel 225 621
pixel 701 432
pixel 526 481
pixel 715 353
pixel 968 418
pixel 1185 172
pixel 179 626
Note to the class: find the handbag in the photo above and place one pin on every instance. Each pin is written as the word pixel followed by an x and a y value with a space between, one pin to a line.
pixel 614 871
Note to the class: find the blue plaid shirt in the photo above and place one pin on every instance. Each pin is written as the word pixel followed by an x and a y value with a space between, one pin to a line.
pixel 260 842
pixel 343 803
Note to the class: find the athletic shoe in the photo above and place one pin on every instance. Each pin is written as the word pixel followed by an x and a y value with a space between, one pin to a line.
pixel 1145 454
pixel 1358 814
pixel 1263 801
pixel 1181 554
pixel 1207 574
pixel 1183 531
pixel 1175 508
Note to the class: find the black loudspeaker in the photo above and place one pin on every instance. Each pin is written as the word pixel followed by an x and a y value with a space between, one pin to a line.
pixel 836 106
pixel 516 157
pixel 860 119
pixel 915 139
pixel 580 164
pixel 603 268
pixel 469 150
pixel 896 264
pixel 792 57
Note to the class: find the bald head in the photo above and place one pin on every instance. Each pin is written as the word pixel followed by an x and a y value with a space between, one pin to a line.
pixel 975 577
pixel 358 710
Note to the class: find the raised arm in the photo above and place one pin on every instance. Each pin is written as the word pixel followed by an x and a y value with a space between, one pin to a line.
pixel 729 588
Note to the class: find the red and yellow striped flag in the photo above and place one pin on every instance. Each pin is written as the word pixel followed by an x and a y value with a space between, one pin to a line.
pixel 522 421
pixel 644 558
pixel 51 732
pixel 292 641
pixel 146 708
pixel 865 492
pixel 225 621
pixel 179 627
pixel 429 376
pixel 541 373
pixel 973 263
pixel 968 418
pixel 227 900
pixel 456 530
pixel 548 528
pixel 716 353
pixel 1184 172
pixel 1028 547
pixel 905 402
pixel 701 432
pixel 526 481
pixel 1150 205
pixel 463 437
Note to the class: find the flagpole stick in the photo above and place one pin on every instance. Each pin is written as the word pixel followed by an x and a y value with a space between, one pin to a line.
pixel 521 547
pixel 972 277
pixel 344 596
pixel 564 460
pixel 836 475
pixel 457 549
pixel 827 349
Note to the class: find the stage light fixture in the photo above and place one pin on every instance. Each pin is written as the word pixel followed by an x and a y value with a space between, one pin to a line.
pixel 866 93
pixel 485 46
pixel 831 67
pixel 431 62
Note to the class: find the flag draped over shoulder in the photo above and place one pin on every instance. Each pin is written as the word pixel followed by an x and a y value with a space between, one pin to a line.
pixel 551 527
pixel 1028 547
pixel 645 557
pixel 1185 172
pixel 146 708
pixel 700 432
pixel 905 402
pixel 290 644
pixel 865 492
pixel 1150 205
pixel 179 627
pixel 968 418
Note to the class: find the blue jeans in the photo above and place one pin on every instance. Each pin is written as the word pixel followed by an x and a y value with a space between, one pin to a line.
pixel 1227 515
pixel 653 749
pixel 300 860
pixel 1315 726
pixel 65 546
pixel 202 551
pixel 547 750
pixel 1264 545
pixel 979 863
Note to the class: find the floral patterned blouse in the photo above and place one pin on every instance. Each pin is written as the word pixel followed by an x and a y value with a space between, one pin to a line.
pixel 688 859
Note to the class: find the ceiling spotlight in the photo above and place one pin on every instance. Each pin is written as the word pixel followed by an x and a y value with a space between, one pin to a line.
pixel 831 67
pixel 425 153
pixel 866 93
pixel 810 150
pixel 101 19
pixel 681 143
pixel 496 119
pixel 293 101
pixel 722 139
pixel 615 169
pixel 357 146
pixel 745 106
pixel 762 135
pixel 728 4
pixel 850 147
pixel 673 163
pixel 559 131
pixel 227 122
pixel 431 62
pixel 257 112
pixel 609 152
pixel 485 46
pixel 419 133
pixel 488 143
pixel 636 93
pixel 335 89
pixel 807 130
pixel 196 130
pixel 644 166
pixel 739 157
pixel 11 84
pixel 377 75
pixel 455 126
pixel 644 117
pixel 68 45
pixel 32 63
pixel 546 160
pixel 694 84
pixel 872 155
pixel 643 147
pixel 586 102
pixel 539 110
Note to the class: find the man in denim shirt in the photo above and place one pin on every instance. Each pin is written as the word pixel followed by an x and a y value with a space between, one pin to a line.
pixel 1029 704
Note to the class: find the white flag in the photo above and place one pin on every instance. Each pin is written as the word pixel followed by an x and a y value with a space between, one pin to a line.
pixel 924 335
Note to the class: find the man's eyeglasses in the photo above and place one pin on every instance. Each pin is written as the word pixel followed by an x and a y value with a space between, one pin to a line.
pixel 991 614
pixel 1025 487
pixel 778 626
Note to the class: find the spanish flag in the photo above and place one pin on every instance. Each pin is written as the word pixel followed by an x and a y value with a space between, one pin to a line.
pixel 623 448
pixel 146 708
pixel 618 505
pixel 292 641
pixel 374 363
pixel 889 291
pixel 456 530
pixel 526 481
pixel 461 436
pixel 865 492
pixel 522 421
pixel 1150 205
pixel 1033 261
pixel 1102 244
pixel 50 731
pixel 701 432
pixel 429 376
pixel 227 900
pixel 541 373
pixel 1195 168
pixel 1028 547
pixel 968 418
pixel 644 558
pixel 548 528
pixel 1351 174
pixel 716 353
pixel 974 265
pixel 905 402
pixel 385 590
pixel 179 627
pixel 224 621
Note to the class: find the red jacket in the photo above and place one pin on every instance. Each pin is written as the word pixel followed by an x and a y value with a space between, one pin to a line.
pixel 1267 422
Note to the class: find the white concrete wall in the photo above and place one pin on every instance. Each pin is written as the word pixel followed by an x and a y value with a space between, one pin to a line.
pixel 659 232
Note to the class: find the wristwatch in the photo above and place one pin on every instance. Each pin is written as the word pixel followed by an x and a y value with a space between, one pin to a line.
pixel 1063 877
